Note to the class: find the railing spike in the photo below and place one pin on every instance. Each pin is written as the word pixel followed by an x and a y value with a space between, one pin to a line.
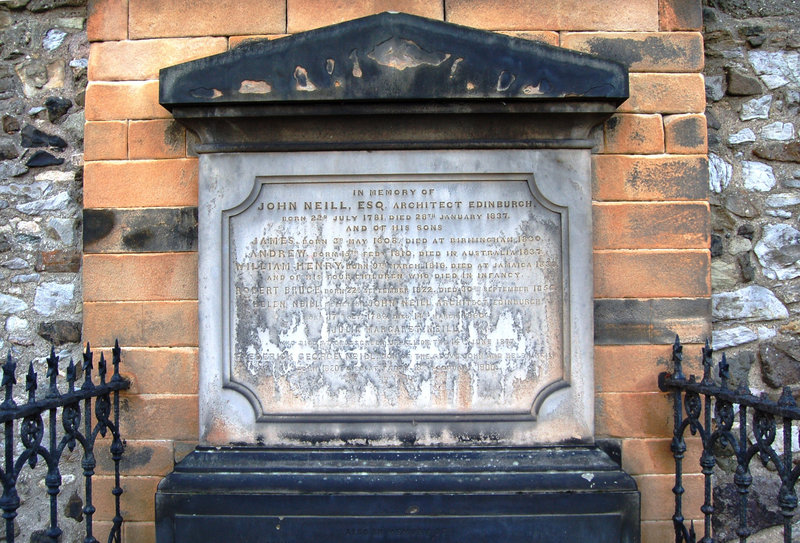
pixel 88 355
pixel 30 383
pixel 71 375
pixel 677 358
pixel 102 369
pixel 708 362
pixel 9 371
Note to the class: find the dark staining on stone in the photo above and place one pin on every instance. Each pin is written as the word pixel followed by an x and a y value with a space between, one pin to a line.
pixel 746 230
pixel 630 51
pixel 97 224
pixel 716 246
pixel 174 135
pixel 687 133
pixel 42 159
pixel 140 230
pixel 137 457
pixel 74 507
pixel 138 239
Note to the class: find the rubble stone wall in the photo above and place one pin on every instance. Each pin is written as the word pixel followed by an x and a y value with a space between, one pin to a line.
pixel 43 75
pixel 752 79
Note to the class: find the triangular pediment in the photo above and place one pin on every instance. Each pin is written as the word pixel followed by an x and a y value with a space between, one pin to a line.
pixel 392 57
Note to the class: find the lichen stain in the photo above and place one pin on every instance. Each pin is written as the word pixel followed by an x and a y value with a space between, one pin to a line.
pixel 302 82
pixel 530 90
pixel 400 53
pixel 505 80
pixel 356 66
pixel 250 86
pixel 454 67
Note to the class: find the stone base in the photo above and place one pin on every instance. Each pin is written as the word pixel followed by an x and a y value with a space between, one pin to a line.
pixel 397 495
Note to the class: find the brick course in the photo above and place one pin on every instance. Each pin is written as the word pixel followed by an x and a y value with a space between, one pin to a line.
pixel 136 60
pixel 141 183
pixel 638 15
pixel 181 18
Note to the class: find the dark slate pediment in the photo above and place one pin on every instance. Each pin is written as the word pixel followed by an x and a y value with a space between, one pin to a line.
pixel 392 57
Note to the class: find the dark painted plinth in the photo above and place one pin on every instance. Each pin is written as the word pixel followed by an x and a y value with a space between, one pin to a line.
pixel 397 495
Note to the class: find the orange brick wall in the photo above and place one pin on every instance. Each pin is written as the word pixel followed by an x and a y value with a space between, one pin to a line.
pixel 651 212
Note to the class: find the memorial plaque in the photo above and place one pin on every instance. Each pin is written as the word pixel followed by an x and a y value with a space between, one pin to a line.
pixel 383 295
pixel 344 292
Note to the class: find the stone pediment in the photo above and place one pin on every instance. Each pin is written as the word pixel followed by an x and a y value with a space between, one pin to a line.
pixel 392 57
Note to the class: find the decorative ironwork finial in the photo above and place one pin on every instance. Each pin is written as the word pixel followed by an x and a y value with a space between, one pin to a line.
pixel 9 372
pixel 30 383
pixel 708 363
pixel 677 359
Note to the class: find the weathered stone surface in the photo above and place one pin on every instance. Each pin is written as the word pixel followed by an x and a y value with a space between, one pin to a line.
pixel 778 131
pixel 8 149
pixel 15 264
pixel 731 337
pixel 749 303
pixel 52 297
pixel 715 87
pixel 783 200
pixel 761 510
pixel 757 108
pixel 780 362
pixel 60 332
pixel 53 39
pixel 746 267
pixel 740 363
pixel 11 304
pixel 739 245
pixel 12 169
pixel 757 176
pixel 719 173
pixel 789 292
pixel 68 261
pixel 778 251
pixel 744 135
pixel 776 68
pixel 784 152
pixel 742 84
pixel 724 275
pixel 58 202
pixel 650 321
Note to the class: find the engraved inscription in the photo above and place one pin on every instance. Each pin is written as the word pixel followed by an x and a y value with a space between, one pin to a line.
pixel 434 297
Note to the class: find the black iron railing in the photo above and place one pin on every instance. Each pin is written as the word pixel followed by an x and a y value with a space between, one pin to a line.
pixel 711 413
pixel 49 443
